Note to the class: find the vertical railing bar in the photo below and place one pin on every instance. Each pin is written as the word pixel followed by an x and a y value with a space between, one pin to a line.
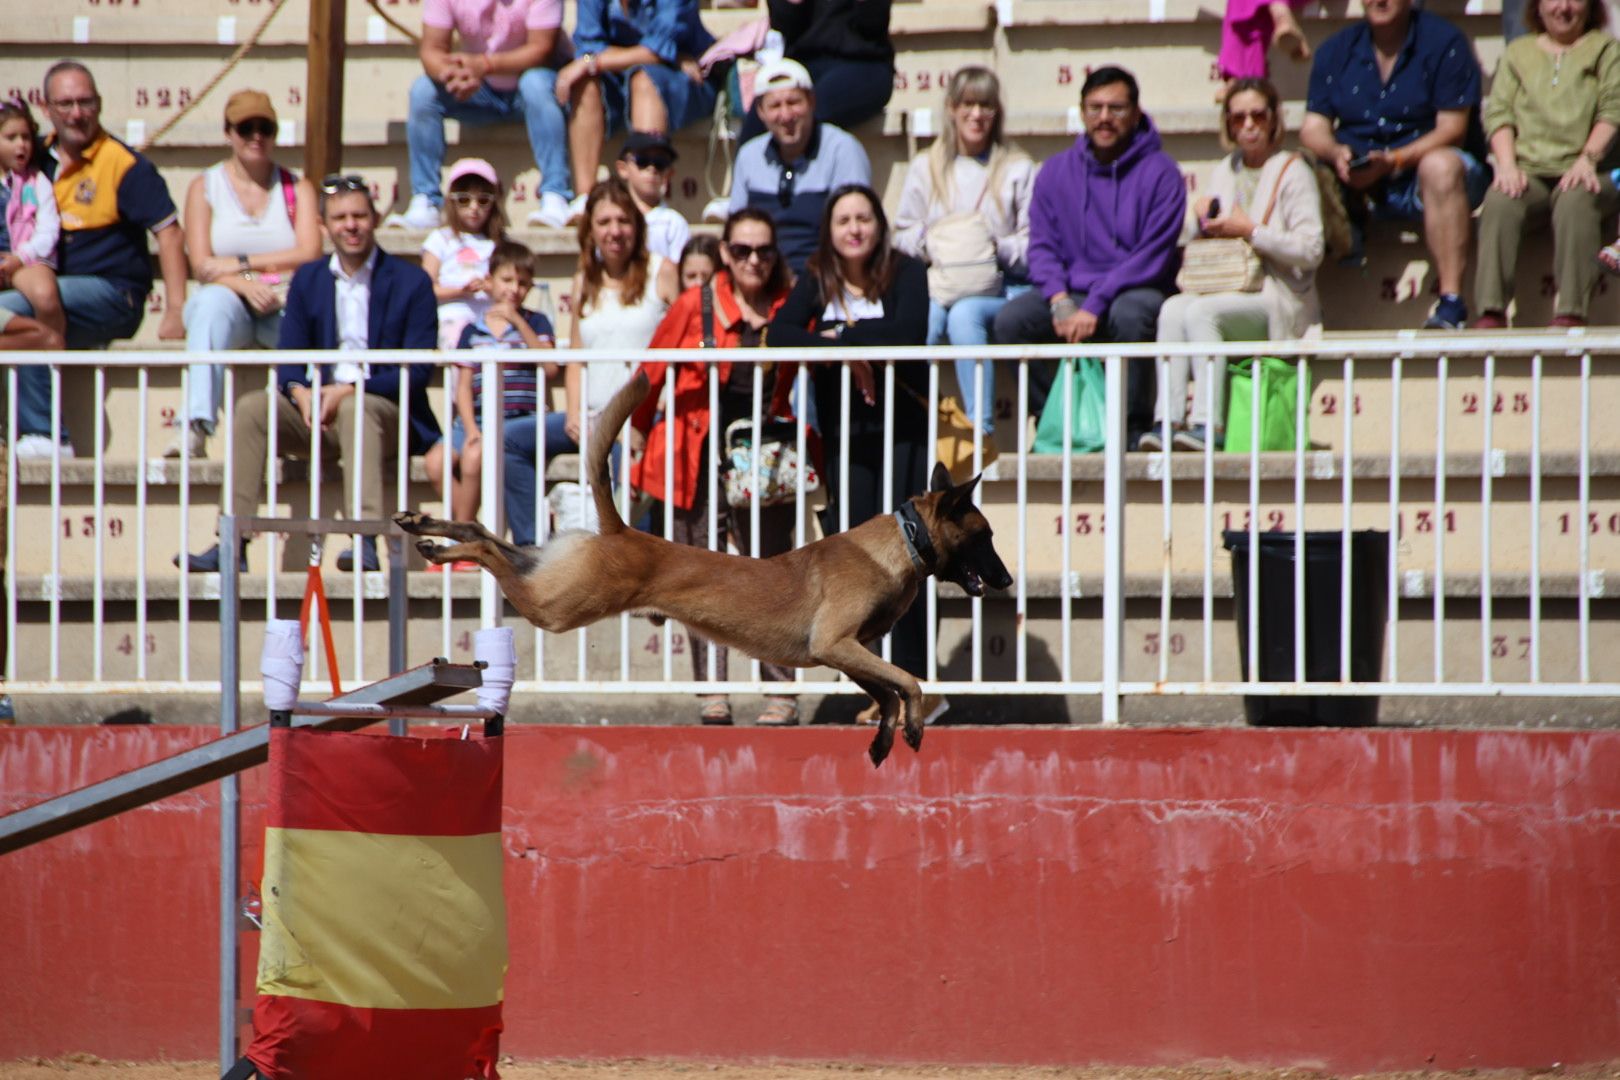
pixel 1216 370
pixel 1585 585
pixel 800 496
pixel 56 522
pixel 228 420
pixel 1253 629
pixel 580 637
pixel 929 585
pixel 185 531
pixel 1487 676
pixel 1535 518
pixel 1392 594
pixel 1066 370
pixel 1021 601
pixel 1113 599
pixel 11 528
pixel 542 511
pixel 358 456
pixel 272 468
pixel 97 610
pixel 888 469
pixel 712 661
pixel 1167 540
pixel 402 488
pixel 623 490
pixel 446 488
pixel 142 377
pixel 1346 496
pixel 984 403
pixel 1302 392
pixel 1442 372
pixel 755 510
pixel 316 550
pixel 671 374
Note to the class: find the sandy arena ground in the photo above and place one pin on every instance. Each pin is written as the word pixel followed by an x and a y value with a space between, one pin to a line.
pixel 85 1067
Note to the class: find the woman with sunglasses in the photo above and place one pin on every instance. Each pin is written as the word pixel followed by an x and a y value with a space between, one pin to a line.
pixel 249 224
pixel 859 292
pixel 1270 200
pixel 970 186
pixel 730 312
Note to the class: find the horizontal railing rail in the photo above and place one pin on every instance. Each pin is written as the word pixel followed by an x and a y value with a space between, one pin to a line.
pixel 1442 503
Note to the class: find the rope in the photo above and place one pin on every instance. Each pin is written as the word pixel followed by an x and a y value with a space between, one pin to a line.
pixel 236 58
pixel 395 23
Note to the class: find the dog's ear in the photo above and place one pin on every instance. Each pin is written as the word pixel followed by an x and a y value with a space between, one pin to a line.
pixel 941 479
pixel 957 496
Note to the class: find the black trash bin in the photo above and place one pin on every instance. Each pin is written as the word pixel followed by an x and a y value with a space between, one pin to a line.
pixel 1369 579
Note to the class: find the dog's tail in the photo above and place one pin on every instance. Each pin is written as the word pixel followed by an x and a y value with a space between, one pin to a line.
pixel 603 436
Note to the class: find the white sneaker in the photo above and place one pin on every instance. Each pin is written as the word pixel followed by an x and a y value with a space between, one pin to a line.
pixel 189 441
pixel 576 208
pixel 38 448
pixel 717 209
pixel 552 213
pixel 420 214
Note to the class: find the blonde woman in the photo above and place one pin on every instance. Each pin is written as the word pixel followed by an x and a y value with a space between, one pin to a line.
pixel 1255 175
pixel 970 169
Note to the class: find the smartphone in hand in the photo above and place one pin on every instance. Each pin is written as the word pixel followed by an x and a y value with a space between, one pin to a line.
pixel 1361 162
pixel 1214 210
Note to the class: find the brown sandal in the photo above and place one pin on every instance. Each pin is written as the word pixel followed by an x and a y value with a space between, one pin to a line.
pixel 716 710
pixel 779 711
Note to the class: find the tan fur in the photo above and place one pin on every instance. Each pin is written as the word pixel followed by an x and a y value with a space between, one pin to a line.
pixel 812 606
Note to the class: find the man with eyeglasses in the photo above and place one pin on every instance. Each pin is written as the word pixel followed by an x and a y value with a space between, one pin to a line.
pixel 110 197
pixel 1393 107
pixel 359 298
pixel 788 171
pixel 1104 219
pixel 505 70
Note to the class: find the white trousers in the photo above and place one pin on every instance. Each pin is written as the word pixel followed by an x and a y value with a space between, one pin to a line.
pixel 1212 317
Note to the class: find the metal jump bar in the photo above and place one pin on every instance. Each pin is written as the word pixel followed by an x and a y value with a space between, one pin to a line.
pixel 412 693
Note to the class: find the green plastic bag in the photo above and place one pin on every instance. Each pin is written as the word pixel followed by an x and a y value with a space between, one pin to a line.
pixel 1279 385
pixel 1089 424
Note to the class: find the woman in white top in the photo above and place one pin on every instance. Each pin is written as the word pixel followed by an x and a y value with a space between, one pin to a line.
pixel 620 295
pixel 1255 175
pixel 970 170
pixel 249 225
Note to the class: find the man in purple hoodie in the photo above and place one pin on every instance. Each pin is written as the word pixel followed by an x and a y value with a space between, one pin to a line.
pixel 1103 225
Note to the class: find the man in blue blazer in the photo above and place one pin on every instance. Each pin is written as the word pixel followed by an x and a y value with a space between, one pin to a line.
pixel 357 299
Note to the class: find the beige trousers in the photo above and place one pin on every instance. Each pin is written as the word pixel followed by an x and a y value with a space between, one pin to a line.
pixel 379 444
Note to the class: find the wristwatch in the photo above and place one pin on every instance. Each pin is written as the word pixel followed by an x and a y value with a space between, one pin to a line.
pixel 590 64
pixel 244 267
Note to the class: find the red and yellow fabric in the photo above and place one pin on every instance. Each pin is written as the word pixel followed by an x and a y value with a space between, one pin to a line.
pixel 384 943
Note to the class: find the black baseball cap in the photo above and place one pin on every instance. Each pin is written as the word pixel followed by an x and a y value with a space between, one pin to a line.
pixel 648 142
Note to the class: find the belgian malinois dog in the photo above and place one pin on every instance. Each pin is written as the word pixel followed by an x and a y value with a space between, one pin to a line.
pixel 816 605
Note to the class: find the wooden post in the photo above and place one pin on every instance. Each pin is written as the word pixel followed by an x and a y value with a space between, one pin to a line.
pixel 323 97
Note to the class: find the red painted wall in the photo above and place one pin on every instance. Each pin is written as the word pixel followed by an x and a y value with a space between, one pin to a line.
pixel 1378 899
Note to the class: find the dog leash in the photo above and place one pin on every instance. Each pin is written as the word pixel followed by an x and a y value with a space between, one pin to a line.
pixel 915 534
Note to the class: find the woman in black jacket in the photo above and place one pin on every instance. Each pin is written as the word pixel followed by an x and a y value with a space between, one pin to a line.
pixel 858 291
pixel 845 46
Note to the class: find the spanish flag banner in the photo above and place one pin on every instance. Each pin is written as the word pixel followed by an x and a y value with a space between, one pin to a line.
pixel 384 943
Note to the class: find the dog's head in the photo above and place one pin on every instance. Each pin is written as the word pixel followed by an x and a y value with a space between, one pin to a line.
pixel 961 535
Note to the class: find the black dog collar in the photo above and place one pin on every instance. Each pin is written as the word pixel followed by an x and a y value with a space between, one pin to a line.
pixel 915 534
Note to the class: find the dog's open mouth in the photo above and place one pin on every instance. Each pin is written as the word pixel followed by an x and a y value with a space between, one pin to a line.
pixel 972 583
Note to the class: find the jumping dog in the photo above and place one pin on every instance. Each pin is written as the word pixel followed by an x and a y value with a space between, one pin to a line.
pixel 817 605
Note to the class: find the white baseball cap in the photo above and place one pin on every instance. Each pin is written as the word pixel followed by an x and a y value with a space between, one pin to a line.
pixel 783 74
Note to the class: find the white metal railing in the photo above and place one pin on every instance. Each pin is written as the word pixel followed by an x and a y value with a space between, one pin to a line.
pixel 1469 458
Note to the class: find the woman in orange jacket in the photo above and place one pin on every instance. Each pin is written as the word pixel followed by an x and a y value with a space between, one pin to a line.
pixel 740 301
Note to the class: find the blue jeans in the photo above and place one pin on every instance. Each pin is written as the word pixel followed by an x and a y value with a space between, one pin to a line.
pixel 534 102
pixel 520 454
pixel 98 312
pixel 218 320
pixel 969 322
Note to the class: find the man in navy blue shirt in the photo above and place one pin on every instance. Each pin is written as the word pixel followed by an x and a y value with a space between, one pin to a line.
pixel 1394 108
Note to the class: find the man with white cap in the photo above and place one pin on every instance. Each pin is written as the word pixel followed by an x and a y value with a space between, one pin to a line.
pixel 788 171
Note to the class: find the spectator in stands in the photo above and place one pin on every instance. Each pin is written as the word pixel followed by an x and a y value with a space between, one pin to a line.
pixel 358 299
pixel 1393 107
pixel 859 291
pixel 636 68
pixel 506 70
pixel 110 198
pixel 1251 27
pixel 645 165
pixel 1269 200
pixel 970 189
pixel 456 254
pixel 845 46
pixel 788 171
pixel 740 302
pixel 620 294
pixel 30 224
pixel 505 324
pixel 701 260
pixel 1103 223
pixel 249 224
pixel 1549 135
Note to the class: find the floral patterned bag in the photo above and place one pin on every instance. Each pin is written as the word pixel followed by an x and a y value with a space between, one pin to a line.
pixel 779 465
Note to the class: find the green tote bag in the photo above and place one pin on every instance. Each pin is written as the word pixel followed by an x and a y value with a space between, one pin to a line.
pixel 1089 424
pixel 1278 385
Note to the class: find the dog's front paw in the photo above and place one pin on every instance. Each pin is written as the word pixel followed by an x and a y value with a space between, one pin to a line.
pixel 410 521
pixel 430 551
